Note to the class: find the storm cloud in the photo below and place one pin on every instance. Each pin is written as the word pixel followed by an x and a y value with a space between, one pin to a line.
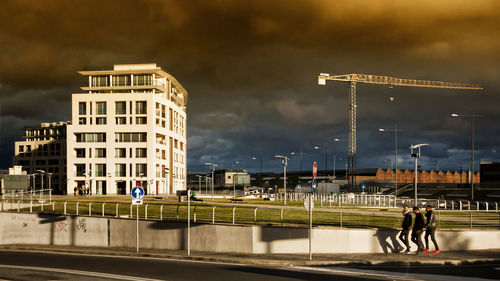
pixel 251 66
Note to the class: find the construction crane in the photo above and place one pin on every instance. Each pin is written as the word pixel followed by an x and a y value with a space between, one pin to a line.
pixel 353 79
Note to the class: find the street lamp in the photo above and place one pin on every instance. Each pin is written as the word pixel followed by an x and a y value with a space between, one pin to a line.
pixel 416 155
pixel 335 159
pixel 199 182
pixel 326 157
pixel 42 173
pixel 260 157
pixel 301 157
pixel 284 162
pixel 212 168
pixel 395 131
pixel 473 116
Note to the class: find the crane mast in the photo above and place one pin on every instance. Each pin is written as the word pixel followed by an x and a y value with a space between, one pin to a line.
pixel 353 79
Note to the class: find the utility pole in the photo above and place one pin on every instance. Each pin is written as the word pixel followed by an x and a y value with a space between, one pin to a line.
pixel 416 155
pixel 212 168
pixel 284 161
pixel 473 116
pixel 395 131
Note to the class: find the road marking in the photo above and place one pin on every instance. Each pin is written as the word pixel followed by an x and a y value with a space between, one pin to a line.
pixel 390 275
pixel 77 272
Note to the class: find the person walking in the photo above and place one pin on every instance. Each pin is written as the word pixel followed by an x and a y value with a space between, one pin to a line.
pixel 430 230
pixel 405 228
pixel 418 228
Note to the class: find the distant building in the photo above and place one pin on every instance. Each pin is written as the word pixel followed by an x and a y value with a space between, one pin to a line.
pixel 375 176
pixel 44 149
pixel 129 128
pixel 227 178
pixel 13 180
pixel 490 174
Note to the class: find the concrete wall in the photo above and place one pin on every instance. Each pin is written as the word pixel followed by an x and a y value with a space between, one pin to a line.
pixel 19 228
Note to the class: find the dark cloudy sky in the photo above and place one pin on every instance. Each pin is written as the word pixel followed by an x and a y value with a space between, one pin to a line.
pixel 251 70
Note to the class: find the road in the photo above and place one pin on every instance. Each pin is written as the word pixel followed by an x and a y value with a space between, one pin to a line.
pixel 19 265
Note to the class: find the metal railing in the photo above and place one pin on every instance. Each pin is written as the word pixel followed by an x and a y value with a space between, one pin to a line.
pixel 340 216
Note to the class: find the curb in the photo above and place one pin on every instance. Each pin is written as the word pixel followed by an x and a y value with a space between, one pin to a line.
pixel 244 260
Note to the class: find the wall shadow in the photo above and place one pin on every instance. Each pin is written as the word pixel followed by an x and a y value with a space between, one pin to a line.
pixel 386 235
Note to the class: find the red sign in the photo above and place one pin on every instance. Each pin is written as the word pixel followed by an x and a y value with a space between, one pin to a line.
pixel 315 169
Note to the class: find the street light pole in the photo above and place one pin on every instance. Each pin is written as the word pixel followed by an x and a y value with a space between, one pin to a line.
pixel 395 155
pixel 284 161
pixel 416 155
pixel 212 167
pixel 473 116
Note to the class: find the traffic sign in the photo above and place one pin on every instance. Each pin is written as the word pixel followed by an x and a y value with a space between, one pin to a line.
pixel 137 202
pixel 315 169
pixel 137 192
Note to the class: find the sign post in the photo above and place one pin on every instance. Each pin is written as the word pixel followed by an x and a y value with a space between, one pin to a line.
pixel 137 194
pixel 310 225
pixel 189 223
pixel 309 205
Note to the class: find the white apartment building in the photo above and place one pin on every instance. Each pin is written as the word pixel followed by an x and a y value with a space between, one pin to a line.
pixel 128 129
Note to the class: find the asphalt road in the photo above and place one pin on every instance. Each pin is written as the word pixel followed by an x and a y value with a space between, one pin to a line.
pixel 20 265
pixel 50 266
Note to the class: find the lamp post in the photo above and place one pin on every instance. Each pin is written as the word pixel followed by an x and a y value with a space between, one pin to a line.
pixel 199 182
pixel 395 131
pixel 473 117
pixel 165 175
pixel 335 158
pixel 42 172
pixel 416 155
pixel 301 157
pixel 212 168
pixel 284 162
pixel 260 158
pixel 234 185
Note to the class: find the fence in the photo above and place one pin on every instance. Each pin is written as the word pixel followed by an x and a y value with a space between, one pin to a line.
pixel 278 215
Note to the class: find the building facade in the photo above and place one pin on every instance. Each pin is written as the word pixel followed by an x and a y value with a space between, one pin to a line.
pixel 129 128
pixel 43 151
pixel 229 178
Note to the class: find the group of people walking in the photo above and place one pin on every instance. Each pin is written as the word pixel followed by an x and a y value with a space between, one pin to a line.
pixel 419 226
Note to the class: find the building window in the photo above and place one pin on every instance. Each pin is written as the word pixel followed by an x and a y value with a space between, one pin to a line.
pixel 100 152
pixel 80 170
pixel 143 79
pixel 120 170
pixel 140 120
pixel 121 120
pixel 120 107
pixel 140 170
pixel 120 152
pixel 80 152
pixel 82 121
pixel 53 162
pixel 130 137
pixel 100 108
pixel 82 108
pixel 100 170
pixel 100 81
pixel 140 153
pixel 140 107
pixel 21 148
pixel 90 137
pixel 121 80
pixel 100 120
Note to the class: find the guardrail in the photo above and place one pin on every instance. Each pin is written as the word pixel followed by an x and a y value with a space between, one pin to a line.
pixel 343 216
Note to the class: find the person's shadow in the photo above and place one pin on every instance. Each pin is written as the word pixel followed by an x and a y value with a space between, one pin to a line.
pixel 385 234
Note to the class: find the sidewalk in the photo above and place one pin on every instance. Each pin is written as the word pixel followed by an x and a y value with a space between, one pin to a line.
pixel 451 258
